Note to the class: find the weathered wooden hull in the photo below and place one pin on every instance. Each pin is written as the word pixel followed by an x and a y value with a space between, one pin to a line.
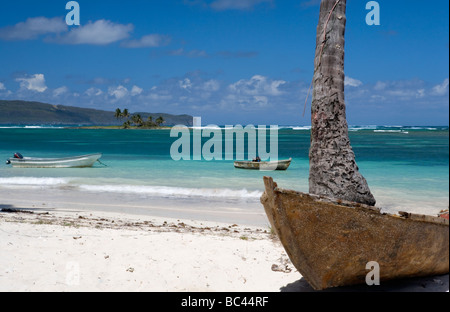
pixel 263 165
pixel 331 242
pixel 67 162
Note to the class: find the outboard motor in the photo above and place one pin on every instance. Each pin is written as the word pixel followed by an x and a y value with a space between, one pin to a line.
pixel 8 162
pixel 18 156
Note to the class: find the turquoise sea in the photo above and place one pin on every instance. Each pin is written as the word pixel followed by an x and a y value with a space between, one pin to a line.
pixel 407 168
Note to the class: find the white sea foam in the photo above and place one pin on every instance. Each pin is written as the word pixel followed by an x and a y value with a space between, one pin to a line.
pixel 17 181
pixel 31 127
pixel 422 128
pixel 302 128
pixel 43 127
pixel 391 131
pixel 212 127
pixel 162 191
pixel 358 128
pixel 166 191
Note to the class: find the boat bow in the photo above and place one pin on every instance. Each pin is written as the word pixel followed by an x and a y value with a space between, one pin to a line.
pixel 330 242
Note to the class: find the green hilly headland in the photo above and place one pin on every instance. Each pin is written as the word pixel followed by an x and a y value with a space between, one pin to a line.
pixel 36 113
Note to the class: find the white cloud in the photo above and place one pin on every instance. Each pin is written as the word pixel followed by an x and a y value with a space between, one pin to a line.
pixel 197 54
pixel 441 89
pixel 32 28
pixel 178 52
pixel 182 52
pixel 211 86
pixel 185 84
pixel 379 86
pixel 378 98
pixel 152 41
pixel 253 96
pixel 101 32
pixel 136 90
pixel 93 92
pixel 407 94
pixel 258 92
pixel 118 92
pixel 258 85
pixel 59 91
pixel 33 83
pixel 350 82
pixel 420 93
pixel 159 97
pixel 398 90
pixel 261 101
pixel 274 87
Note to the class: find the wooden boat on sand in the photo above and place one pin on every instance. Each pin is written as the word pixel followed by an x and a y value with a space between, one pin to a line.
pixel 264 165
pixel 330 242
pixel 67 162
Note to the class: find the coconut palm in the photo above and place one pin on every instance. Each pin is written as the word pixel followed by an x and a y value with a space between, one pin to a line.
pixel 160 121
pixel 125 113
pixel 149 123
pixel 137 120
pixel 333 169
pixel 118 114
pixel 126 124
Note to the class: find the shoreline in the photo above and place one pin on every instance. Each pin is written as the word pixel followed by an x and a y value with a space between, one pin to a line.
pixel 208 207
pixel 68 199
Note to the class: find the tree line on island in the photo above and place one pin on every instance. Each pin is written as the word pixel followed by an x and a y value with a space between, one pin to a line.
pixel 137 120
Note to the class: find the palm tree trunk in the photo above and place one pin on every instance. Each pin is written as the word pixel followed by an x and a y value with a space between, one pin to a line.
pixel 333 169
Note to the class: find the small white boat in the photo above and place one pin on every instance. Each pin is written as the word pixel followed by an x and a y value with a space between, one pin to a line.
pixel 66 162
pixel 263 165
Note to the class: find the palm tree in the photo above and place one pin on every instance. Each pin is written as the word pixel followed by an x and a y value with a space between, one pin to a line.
pixel 126 124
pixel 333 169
pixel 118 114
pixel 159 121
pixel 137 120
pixel 149 123
pixel 125 113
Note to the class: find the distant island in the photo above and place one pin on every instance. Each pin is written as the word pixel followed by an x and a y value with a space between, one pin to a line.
pixel 136 120
pixel 36 113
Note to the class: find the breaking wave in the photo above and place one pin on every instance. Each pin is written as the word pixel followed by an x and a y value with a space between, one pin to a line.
pixel 167 191
pixel 32 181
pixel 159 191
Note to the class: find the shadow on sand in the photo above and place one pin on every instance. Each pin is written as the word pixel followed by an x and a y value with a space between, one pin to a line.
pixel 13 209
pixel 422 284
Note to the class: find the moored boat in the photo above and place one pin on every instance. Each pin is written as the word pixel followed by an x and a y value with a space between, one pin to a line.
pixel 67 162
pixel 330 242
pixel 263 165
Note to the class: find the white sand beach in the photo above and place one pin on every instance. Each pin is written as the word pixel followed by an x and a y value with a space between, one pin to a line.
pixel 67 251
pixel 116 252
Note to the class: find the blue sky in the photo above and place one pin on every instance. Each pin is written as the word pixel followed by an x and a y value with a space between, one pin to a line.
pixel 228 61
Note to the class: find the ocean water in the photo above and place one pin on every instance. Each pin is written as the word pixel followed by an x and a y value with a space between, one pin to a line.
pixel 407 168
